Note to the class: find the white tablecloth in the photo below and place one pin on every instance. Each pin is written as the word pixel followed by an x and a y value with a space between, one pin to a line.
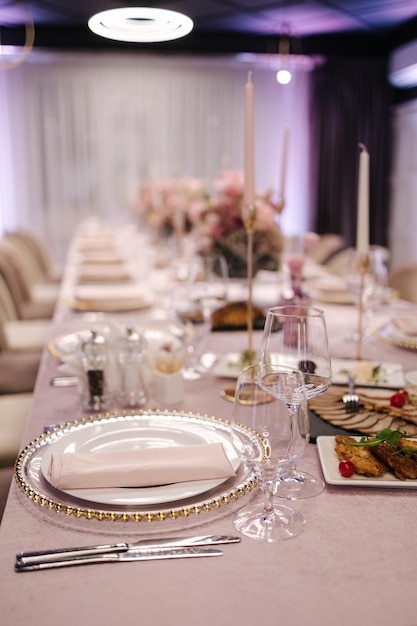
pixel 355 563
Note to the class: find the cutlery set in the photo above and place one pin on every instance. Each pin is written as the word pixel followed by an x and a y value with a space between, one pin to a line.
pixel 144 550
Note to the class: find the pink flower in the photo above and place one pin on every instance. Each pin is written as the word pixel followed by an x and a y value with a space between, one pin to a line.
pixel 230 184
pixel 295 262
pixel 309 240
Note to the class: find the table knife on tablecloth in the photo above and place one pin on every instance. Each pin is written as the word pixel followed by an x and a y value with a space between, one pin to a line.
pixel 144 554
pixel 31 558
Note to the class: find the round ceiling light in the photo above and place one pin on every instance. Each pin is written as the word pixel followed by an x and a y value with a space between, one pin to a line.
pixel 140 24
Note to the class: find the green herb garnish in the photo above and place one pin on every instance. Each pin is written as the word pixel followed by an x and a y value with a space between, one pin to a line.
pixel 248 358
pixel 405 450
pixel 386 435
pixel 375 373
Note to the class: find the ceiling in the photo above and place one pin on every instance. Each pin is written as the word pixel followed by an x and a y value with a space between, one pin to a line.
pixel 354 27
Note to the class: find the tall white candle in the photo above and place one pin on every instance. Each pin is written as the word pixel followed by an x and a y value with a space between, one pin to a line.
pixel 284 163
pixel 362 233
pixel 249 173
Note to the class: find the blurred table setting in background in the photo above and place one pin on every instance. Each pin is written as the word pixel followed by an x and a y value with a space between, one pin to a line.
pixel 144 342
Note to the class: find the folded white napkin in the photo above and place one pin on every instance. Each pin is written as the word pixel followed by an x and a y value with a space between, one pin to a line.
pixel 110 292
pixel 103 243
pixel 101 258
pixel 140 468
pixel 406 324
pixel 103 273
pixel 329 284
pixel 114 296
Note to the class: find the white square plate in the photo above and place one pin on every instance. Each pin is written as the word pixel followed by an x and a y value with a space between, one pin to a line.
pixel 330 466
pixel 390 375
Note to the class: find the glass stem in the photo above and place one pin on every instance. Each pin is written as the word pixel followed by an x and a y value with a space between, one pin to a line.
pixel 268 512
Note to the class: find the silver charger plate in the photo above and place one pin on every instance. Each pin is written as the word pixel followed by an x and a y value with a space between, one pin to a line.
pixel 30 468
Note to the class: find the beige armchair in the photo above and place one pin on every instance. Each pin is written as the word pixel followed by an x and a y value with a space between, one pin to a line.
pixel 404 280
pixel 326 247
pixel 35 245
pixel 15 276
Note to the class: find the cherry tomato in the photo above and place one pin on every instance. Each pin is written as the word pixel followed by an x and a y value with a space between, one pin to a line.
pixel 346 468
pixel 398 399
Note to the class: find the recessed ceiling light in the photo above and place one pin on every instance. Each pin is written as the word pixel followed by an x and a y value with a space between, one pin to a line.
pixel 284 77
pixel 140 24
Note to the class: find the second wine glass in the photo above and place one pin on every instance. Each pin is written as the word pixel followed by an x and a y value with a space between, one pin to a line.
pixel 296 336
pixel 270 410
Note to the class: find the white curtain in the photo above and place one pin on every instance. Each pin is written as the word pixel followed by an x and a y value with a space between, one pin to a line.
pixel 80 131
pixel 403 226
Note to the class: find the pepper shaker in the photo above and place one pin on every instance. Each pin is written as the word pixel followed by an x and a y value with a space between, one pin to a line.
pixel 94 359
pixel 131 350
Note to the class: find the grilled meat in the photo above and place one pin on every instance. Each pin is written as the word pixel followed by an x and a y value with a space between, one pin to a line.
pixel 401 458
pixel 364 461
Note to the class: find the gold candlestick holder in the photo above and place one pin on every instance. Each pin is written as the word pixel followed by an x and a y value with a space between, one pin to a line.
pixel 363 262
pixel 249 220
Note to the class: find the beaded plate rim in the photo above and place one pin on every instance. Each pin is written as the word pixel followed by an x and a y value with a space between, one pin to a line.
pixel 378 333
pixel 238 487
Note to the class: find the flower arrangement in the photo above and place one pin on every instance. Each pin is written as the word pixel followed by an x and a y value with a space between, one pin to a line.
pixel 215 219
pixel 172 206
pixel 221 227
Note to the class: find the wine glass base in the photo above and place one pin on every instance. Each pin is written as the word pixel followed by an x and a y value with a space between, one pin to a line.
pixel 191 373
pixel 285 523
pixel 299 486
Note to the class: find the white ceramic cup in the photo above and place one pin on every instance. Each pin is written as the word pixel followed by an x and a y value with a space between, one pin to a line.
pixel 169 388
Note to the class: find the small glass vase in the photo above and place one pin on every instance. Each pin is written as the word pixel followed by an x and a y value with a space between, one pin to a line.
pixel 295 294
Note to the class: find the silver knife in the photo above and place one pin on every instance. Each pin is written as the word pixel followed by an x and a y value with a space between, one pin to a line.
pixel 30 558
pixel 152 554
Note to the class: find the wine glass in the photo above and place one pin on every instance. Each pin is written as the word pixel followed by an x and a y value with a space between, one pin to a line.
pixel 296 336
pixel 194 304
pixel 370 286
pixel 195 326
pixel 269 416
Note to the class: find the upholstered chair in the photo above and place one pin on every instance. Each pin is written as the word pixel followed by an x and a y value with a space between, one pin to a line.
pixel 404 280
pixel 39 251
pixel 15 276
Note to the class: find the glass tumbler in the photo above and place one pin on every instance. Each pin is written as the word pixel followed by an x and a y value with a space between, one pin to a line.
pixel 131 351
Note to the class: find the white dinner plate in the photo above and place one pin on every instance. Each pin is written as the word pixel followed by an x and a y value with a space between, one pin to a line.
pixel 388 375
pixel 330 466
pixel 150 431
pixel 228 365
pixel 67 344
pixel 330 289
pixel 110 306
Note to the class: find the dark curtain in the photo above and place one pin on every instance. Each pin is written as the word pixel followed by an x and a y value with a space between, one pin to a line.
pixel 351 104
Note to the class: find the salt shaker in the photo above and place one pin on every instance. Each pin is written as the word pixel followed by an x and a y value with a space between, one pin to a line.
pixel 131 350
pixel 94 353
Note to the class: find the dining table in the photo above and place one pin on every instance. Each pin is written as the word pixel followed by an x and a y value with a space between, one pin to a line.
pixel 354 563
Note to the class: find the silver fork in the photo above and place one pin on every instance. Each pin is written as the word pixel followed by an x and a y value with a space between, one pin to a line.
pixel 351 399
